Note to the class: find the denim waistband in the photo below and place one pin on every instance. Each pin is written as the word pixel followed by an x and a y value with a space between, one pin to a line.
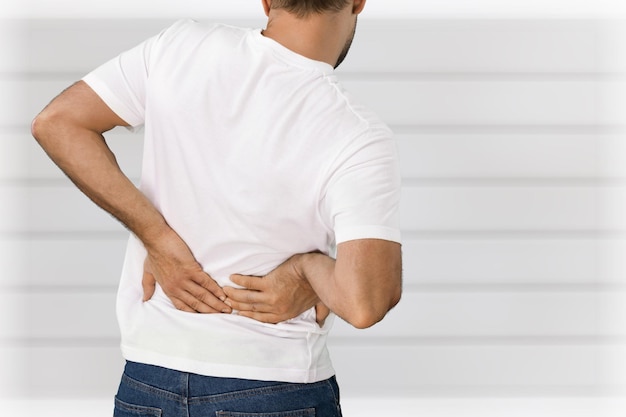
pixel 188 387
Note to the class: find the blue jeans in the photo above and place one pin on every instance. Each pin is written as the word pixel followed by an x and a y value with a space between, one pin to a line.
pixel 148 390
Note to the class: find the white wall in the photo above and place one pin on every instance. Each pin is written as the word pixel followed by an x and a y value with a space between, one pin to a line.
pixel 513 143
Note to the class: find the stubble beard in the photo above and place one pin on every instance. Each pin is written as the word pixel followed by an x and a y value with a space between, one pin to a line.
pixel 346 47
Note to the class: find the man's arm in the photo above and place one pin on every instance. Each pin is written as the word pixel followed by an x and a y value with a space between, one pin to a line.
pixel 360 286
pixel 70 130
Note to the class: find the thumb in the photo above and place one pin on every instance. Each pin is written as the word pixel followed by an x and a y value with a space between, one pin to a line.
pixel 321 313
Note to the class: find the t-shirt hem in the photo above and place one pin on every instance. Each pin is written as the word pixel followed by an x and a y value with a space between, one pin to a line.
pixel 226 371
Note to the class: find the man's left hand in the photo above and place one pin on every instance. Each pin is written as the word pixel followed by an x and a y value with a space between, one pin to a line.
pixel 278 296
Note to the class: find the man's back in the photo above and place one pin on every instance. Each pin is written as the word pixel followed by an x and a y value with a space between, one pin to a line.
pixel 253 153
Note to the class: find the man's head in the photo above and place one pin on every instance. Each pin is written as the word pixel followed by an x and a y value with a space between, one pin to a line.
pixel 304 8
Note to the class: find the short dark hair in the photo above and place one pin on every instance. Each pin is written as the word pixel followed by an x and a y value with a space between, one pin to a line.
pixel 303 8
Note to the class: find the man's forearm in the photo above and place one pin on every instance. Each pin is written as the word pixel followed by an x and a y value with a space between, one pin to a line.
pixel 70 131
pixel 86 159
pixel 362 285
pixel 320 271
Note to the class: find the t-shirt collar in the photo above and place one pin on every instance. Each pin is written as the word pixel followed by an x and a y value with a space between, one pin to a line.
pixel 291 56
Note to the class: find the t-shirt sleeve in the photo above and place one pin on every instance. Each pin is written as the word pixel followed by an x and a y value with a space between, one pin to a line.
pixel 362 197
pixel 122 82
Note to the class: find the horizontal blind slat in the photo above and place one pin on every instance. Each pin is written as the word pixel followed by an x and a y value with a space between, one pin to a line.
pixel 95 261
pixel 41 315
pixel 422 155
pixel 63 208
pixel 416 45
pixel 407 370
pixel 411 102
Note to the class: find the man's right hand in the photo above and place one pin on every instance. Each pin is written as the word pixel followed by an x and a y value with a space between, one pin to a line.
pixel 171 264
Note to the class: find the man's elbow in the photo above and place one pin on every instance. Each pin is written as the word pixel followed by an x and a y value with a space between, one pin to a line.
pixel 36 127
pixel 368 314
pixel 42 124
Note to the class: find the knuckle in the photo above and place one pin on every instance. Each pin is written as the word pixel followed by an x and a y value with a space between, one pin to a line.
pixel 194 305
pixel 180 306
pixel 210 285
pixel 202 296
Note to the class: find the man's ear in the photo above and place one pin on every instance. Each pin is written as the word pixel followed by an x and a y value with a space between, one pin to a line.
pixel 358 6
pixel 267 4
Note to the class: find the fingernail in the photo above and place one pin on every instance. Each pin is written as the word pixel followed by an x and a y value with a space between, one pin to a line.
pixel 223 298
pixel 226 310
pixel 228 303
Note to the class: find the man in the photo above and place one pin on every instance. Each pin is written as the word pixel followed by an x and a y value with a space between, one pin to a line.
pixel 257 165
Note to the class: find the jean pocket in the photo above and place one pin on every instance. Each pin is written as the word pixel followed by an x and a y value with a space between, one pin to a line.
pixel 309 412
pixel 123 409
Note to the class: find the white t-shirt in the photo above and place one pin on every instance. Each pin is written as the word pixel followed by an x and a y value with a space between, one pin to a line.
pixel 253 153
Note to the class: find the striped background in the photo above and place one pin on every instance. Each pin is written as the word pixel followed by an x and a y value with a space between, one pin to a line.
pixel 513 144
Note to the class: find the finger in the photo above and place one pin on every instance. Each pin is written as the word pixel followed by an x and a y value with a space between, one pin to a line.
pixel 204 289
pixel 180 305
pixel 148 283
pixel 197 305
pixel 262 317
pixel 200 304
pixel 186 298
pixel 190 296
pixel 251 307
pixel 204 301
pixel 242 295
pixel 248 281
pixel 204 280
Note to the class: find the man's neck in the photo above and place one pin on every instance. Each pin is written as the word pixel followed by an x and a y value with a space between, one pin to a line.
pixel 319 36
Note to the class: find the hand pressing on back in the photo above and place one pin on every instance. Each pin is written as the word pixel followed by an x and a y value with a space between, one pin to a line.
pixel 171 263
pixel 278 296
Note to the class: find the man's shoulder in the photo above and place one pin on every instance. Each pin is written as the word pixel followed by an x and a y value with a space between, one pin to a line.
pixel 366 120
pixel 186 30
